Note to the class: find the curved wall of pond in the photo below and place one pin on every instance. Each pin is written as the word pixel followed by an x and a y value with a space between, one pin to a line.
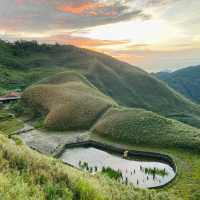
pixel 137 155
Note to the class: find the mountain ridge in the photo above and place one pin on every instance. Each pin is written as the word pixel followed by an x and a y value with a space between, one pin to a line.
pixel 25 63
pixel 186 81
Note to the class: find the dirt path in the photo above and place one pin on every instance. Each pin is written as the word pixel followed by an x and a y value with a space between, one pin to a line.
pixel 49 142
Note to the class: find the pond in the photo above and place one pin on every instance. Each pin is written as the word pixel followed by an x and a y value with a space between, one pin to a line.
pixel 139 172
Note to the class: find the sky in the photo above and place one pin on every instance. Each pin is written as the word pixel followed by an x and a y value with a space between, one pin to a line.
pixel 156 35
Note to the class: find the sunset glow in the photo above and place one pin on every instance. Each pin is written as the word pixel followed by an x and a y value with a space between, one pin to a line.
pixel 141 32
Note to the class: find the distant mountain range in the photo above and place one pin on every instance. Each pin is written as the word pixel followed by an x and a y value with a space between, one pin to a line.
pixel 185 81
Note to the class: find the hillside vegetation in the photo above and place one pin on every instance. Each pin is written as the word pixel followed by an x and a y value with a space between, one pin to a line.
pixel 24 63
pixel 17 183
pixel 8 123
pixel 137 126
pixel 26 174
pixel 68 101
pixel 186 81
pixel 90 92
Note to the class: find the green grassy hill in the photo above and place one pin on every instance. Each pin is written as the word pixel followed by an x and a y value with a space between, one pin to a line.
pixel 24 63
pixel 186 81
pixel 141 127
pixel 68 101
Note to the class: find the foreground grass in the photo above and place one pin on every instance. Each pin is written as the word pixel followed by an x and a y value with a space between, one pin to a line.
pixel 26 174
pixel 186 186
pixel 8 123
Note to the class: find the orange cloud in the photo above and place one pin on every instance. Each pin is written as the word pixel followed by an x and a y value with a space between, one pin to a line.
pixel 85 9
pixel 84 42
pixel 90 43
pixel 126 57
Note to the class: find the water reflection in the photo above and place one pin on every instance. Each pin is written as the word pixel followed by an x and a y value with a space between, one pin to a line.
pixel 141 173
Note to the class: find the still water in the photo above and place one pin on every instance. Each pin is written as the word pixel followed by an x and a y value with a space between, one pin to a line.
pixel 141 173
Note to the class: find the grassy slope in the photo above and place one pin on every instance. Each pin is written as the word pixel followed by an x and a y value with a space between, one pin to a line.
pixel 186 81
pixel 8 123
pixel 12 78
pixel 18 185
pixel 28 175
pixel 2 91
pixel 68 100
pixel 126 84
pixel 137 126
pixel 187 183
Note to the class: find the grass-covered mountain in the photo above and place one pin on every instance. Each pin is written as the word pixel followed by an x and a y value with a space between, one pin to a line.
pixel 68 101
pixel 72 88
pixel 141 127
pixel 24 63
pixel 185 81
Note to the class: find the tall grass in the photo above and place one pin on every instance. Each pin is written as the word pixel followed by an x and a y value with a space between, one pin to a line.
pixel 26 174
pixel 137 126
pixel 69 102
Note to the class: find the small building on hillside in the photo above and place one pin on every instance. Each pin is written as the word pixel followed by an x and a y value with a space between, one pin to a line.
pixel 11 96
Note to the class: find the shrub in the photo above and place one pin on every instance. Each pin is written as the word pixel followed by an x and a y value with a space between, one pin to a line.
pixel 53 192
pixel 195 195
pixel 114 174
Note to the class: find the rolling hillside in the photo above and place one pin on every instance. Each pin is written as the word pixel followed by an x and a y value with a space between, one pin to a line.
pixel 69 88
pixel 186 81
pixel 41 177
pixel 69 102
pixel 141 127
pixel 25 63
